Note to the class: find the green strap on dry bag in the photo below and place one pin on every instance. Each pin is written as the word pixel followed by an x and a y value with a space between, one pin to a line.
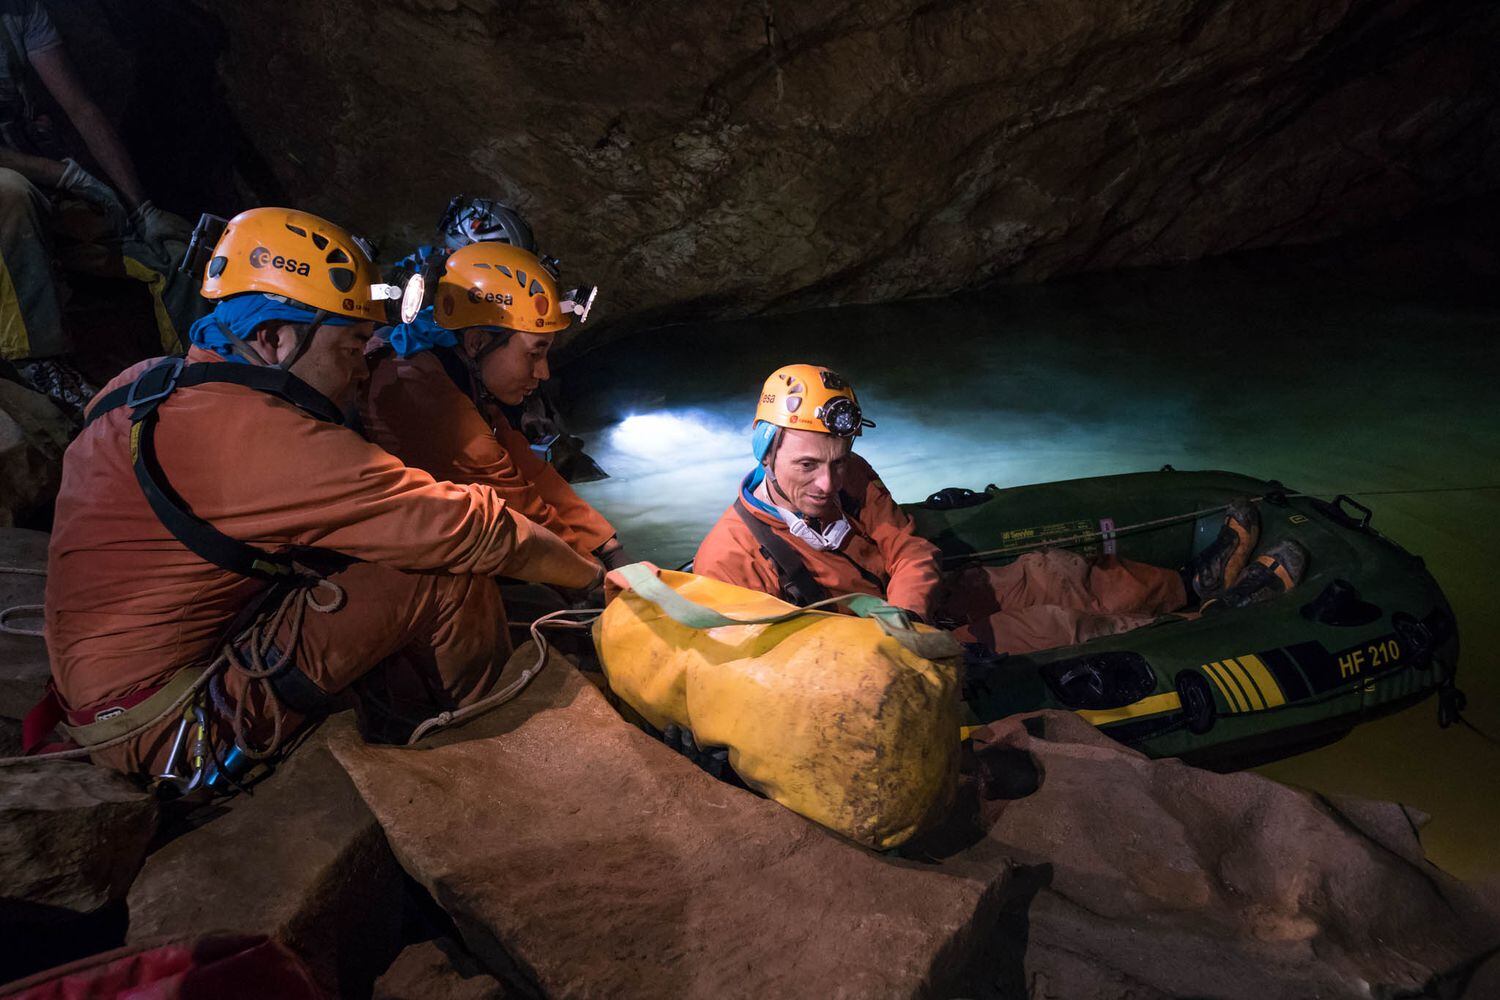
pixel 690 614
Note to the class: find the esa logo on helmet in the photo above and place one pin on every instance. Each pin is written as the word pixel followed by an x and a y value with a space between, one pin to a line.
pixel 478 295
pixel 260 257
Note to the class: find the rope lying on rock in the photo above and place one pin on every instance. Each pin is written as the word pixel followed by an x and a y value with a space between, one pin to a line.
pixel 6 628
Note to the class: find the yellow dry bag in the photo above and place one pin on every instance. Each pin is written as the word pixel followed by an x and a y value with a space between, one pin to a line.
pixel 849 720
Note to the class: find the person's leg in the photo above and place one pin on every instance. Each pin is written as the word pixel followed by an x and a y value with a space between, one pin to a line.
pixel 30 310
pixel 441 638
pixel 1058 598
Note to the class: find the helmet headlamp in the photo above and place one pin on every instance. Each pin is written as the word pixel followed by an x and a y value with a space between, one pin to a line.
pixel 841 416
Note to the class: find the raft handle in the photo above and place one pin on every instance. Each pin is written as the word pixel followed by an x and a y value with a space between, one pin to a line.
pixel 1338 507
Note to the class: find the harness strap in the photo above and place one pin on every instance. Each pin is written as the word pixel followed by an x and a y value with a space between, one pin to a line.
pixel 145 395
pixel 137 714
pixel 931 645
pixel 798 585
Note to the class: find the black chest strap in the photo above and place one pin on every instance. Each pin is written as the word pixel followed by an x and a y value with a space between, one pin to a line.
pixel 145 395
pixel 798 586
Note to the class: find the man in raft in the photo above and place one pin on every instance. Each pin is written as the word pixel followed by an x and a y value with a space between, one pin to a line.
pixel 228 559
pixel 438 390
pixel 813 520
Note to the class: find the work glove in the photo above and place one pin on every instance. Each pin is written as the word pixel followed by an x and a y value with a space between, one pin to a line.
pixel 715 762
pixel 612 554
pixel 155 226
pixel 84 186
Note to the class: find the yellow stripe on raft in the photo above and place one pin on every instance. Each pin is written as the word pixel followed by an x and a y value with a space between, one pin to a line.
pixel 1252 691
pixel 1154 705
pixel 1231 691
pixel 1263 679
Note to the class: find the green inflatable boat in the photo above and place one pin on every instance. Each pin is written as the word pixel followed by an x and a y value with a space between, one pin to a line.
pixel 1367 633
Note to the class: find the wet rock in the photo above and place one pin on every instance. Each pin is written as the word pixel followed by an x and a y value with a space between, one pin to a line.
pixel 302 860
pixel 24 668
pixel 1159 879
pixel 724 158
pixel 439 970
pixel 72 837
pixel 33 435
pixel 579 855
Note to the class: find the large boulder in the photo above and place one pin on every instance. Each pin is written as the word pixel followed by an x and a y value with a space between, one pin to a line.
pixel 33 435
pixel 579 857
pixel 72 836
pixel 722 158
pixel 24 667
pixel 302 860
pixel 1163 880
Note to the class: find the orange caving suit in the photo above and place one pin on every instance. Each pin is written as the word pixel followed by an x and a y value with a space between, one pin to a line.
pixel 415 412
pixel 128 605
pixel 1042 600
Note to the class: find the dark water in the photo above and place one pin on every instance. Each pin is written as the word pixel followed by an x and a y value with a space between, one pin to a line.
pixel 1328 376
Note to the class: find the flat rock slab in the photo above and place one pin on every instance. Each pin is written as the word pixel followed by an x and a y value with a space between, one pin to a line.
pixel 24 667
pixel 1155 879
pixel 586 859
pixel 302 860
pixel 439 970
pixel 72 836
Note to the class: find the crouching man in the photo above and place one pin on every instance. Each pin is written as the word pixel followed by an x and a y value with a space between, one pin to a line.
pixel 813 520
pixel 228 559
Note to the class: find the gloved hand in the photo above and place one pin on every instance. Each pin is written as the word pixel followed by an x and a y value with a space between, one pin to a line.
pixel 612 554
pixel 155 226
pixel 715 762
pixel 84 186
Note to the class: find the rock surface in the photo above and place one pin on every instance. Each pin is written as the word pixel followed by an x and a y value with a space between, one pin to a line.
pixel 1161 880
pixel 581 857
pixel 438 970
pixel 24 668
pixel 694 159
pixel 33 435
pixel 72 836
pixel 302 860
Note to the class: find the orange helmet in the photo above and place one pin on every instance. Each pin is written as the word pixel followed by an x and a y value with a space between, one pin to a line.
pixel 498 285
pixel 809 398
pixel 280 251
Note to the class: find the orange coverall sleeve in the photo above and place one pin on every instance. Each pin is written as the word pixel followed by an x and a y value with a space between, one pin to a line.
pixel 911 561
pixel 335 490
pixel 415 412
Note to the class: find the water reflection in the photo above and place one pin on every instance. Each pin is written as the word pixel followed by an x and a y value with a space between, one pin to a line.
pixel 1327 380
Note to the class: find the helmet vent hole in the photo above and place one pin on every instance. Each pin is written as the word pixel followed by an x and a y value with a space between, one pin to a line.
pixel 337 256
pixel 297 229
pixel 536 287
pixel 521 277
pixel 320 241
pixel 342 278
pixel 504 270
pixel 216 266
pixel 481 265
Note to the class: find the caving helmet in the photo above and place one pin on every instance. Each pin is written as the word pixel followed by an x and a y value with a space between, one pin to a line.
pixel 499 287
pixel 469 220
pixel 297 256
pixel 805 398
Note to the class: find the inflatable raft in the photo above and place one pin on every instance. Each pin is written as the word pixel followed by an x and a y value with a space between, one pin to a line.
pixel 1367 633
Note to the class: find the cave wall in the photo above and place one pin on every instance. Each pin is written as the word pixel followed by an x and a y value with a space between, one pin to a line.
pixel 695 163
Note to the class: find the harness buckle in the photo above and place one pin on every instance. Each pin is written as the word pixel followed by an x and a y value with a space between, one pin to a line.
pixel 154 384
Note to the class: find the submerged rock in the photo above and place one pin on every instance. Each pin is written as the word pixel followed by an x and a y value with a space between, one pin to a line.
pixel 726 158
pixel 72 837
pixel 33 436
pixel 302 860
pixel 579 857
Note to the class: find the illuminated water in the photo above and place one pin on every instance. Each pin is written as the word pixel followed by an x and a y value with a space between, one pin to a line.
pixel 1330 381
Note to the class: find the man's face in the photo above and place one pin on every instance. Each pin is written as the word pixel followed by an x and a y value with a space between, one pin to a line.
pixel 512 372
pixel 334 362
pixel 809 470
